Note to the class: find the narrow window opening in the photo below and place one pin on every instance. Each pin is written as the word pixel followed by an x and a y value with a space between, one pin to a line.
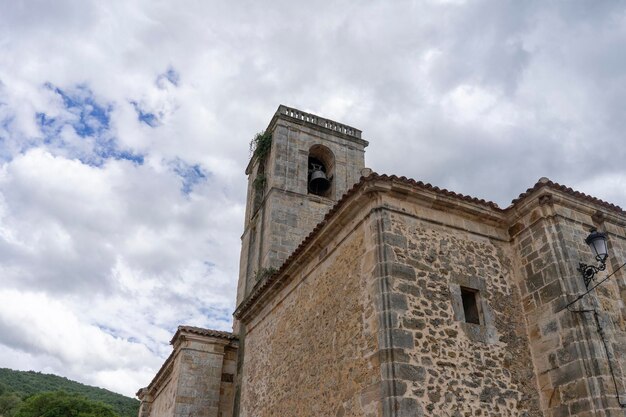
pixel 258 185
pixel 471 306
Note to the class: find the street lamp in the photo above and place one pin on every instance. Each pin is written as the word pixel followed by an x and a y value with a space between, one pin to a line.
pixel 597 242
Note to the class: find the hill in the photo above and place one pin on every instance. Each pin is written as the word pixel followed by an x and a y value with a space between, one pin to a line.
pixel 28 383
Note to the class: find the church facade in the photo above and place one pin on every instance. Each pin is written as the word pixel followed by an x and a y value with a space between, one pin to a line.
pixel 371 295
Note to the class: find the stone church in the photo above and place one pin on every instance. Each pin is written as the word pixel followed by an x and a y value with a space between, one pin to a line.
pixel 372 295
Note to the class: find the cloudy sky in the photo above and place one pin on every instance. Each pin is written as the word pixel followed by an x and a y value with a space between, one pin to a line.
pixel 124 131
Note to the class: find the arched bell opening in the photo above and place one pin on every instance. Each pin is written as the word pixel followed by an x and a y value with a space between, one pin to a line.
pixel 321 167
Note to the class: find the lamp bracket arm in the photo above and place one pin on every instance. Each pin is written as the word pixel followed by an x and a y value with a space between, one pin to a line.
pixel 589 271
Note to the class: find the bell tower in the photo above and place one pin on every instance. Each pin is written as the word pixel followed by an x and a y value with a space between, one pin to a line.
pixel 301 167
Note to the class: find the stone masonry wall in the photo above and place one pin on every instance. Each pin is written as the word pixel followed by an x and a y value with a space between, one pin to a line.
pixel 416 256
pixel 200 379
pixel 227 385
pixel 164 400
pixel 313 352
pixel 612 299
pixel 574 372
pixel 197 379
pixel 442 365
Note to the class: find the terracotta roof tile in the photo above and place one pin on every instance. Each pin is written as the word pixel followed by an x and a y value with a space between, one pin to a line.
pixel 544 182
pixel 204 332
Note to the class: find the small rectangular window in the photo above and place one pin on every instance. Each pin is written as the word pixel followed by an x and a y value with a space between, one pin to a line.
pixel 471 305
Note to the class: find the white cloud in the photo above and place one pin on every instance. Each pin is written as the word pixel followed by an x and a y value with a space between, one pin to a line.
pixel 34 323
pixel 468 103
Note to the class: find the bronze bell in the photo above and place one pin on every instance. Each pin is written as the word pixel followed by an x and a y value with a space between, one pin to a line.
pixel 318 182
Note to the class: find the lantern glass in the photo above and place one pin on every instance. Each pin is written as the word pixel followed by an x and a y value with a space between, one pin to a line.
pixel 597 244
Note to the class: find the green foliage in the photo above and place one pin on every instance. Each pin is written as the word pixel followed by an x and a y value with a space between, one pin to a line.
pixel 25 384
pixel 61 404
pixel 261 144
pixel 9 402
pixel 259 182
pixel 264 273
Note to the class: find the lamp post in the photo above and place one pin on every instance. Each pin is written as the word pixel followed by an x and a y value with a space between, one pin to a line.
pixel 597 242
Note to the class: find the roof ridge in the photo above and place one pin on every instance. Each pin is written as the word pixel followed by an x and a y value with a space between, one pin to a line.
pixel 545 182
pixel 204 332
pixel 444 191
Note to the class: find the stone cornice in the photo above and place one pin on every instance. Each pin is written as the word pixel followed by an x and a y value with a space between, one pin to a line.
pixel 318 123
pixel 321 124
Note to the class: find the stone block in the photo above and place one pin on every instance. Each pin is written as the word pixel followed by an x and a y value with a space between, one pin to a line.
pixel 371 394
pixel 397 302
pixel 534 282
pixel 567 373
pixel 412 373
pixel 574 391
pixel 394 240
pixel 401 339
pixel 403 271
pixel 550 292
pixel 409 407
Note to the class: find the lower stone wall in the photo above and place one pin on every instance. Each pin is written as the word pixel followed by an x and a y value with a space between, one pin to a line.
pixel 576 375
pixel 442 365
pixel 227 385
pixel 197 379
pixel 613 296
pixel 200 380
pixel 165 396
pixel 314 353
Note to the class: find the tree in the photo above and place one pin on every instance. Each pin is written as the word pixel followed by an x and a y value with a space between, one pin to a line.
pixel 9 403
pixel 61 404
